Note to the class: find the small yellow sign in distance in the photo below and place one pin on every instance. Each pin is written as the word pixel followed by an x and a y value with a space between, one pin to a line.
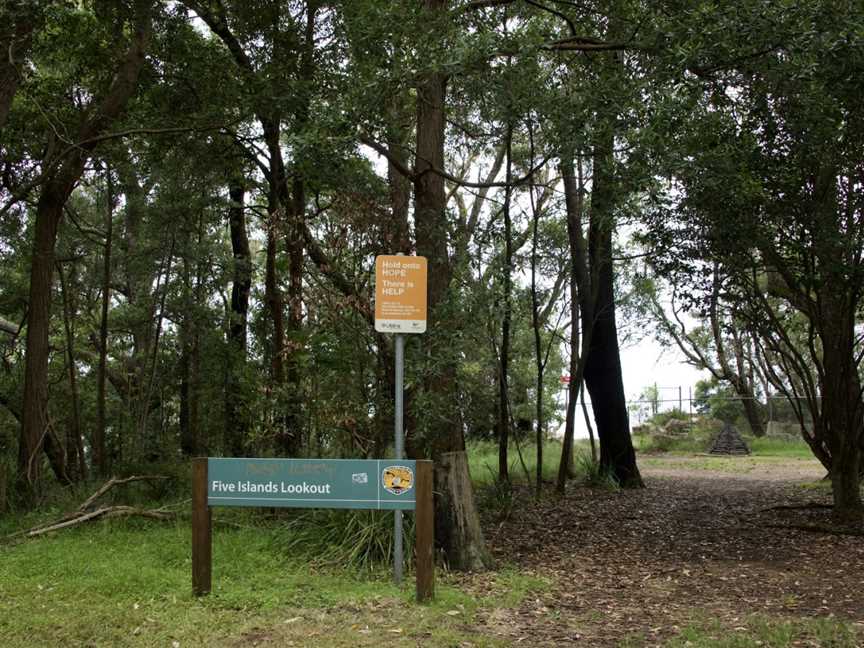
pixel 400 294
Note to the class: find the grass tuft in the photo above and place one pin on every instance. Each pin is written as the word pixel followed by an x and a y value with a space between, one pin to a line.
pixel 768 632
pixel 361 540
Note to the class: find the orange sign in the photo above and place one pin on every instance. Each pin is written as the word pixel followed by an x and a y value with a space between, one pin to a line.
pixel 400 294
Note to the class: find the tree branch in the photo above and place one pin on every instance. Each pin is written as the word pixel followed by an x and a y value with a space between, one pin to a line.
pixel 9 327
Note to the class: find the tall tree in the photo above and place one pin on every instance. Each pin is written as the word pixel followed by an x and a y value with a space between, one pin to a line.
pixel 603 375
pixel 64 171
pixel 457 524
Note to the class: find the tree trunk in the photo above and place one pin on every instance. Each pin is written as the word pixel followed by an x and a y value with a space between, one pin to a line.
pixel 581 311
pixel 507 280
pixel 753 415
pixel 457 520
pixel 292 438
pixel 188 363
pixel 273 299
pixel 846 486
pixel 34 415
pixel 842 414
pixel 395 233
pixel 76 467
pixel 236 419
pixel 603 365
pixel 100 458
pixel 536 325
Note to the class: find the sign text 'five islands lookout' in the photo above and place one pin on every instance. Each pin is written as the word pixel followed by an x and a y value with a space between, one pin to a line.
pixel 400 294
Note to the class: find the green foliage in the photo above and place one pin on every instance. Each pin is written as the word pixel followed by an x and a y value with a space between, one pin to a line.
pixel 719 401
pixel 360 540
pixel 590 473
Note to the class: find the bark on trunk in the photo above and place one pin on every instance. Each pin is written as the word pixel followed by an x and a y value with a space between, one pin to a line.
pixel 581 311
pixel 49 212
pixel 34 424
pixel 236 421
pixel 846 486
pixel 76 466
pixel 536 325
pixel 456 518
pixel 753 416
pixel 292 439
pixel 273 298
pixel 603 365
pixel 189 445
pixel 842 413
pixel 507 281
pixel 100 458
pixel 395 235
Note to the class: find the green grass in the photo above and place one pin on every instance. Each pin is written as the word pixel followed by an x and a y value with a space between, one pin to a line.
pixel 769 633
pixel 773 447
pixel 720 463
pixel 128 583
pixel 483 460
pixel 699 441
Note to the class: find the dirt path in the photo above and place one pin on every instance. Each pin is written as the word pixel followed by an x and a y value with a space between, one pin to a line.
pixel 698 545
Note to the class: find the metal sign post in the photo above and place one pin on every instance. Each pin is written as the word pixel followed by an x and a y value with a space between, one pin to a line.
pixel 400 451
pixel 400 307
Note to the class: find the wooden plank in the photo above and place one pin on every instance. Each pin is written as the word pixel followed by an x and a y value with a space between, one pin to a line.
pixel 202 546
pixel 424 543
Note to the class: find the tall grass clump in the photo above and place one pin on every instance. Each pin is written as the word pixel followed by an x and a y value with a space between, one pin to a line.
pixel 591 474
pixel 358 539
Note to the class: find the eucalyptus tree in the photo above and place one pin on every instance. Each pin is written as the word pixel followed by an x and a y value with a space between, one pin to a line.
pixel 586 102
pixel 109 91
pixel 272 45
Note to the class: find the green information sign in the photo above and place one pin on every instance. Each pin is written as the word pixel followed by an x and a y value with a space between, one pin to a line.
pixel 312 483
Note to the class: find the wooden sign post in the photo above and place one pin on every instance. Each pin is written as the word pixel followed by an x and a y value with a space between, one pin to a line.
pixel 314 483
pixel 424 529
pixel 202 530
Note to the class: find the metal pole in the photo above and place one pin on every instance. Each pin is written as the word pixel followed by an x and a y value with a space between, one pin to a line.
pixel 400 452
pixel 690 401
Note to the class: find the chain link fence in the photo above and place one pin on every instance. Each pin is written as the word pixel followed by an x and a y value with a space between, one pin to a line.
pixel 776 412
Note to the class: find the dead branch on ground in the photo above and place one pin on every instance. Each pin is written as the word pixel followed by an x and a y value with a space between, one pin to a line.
pixel 87 513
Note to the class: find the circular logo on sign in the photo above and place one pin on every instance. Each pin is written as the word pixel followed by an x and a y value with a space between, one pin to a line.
pixel 397 479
